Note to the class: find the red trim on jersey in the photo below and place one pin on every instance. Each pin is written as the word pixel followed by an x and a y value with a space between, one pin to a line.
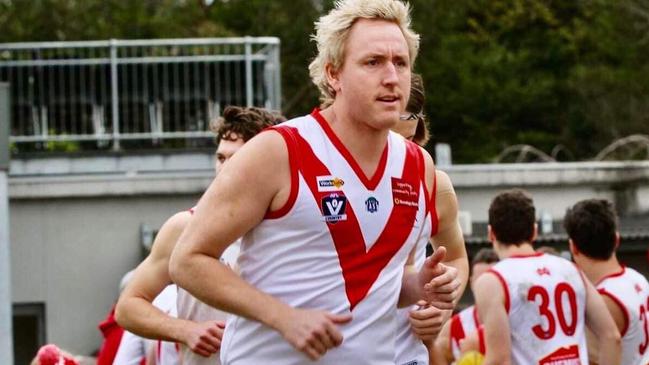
pixel 158 351
pixel 476 320
pixel 112 333
pixel 456 333
pixel 482 346
pixel 422 172
pixel 370 184
pixel 613 275
pixel 503 282
pixel 434 219
pixel 526 255
pixel 430 200
pixel 619 303
pixel 361 267
pixel 291 146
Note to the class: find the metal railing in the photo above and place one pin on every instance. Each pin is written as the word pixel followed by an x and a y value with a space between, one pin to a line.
pixel 110 91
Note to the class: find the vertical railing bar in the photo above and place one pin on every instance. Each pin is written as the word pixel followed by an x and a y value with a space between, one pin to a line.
pixel 248 61
pixel 114 94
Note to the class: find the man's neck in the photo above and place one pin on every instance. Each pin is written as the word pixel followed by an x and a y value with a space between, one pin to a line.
pixel 364 143
pixel 596 270
pixel 524 249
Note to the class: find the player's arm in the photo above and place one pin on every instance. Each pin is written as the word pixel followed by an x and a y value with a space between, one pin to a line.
pixel 490 304
pixel 603 326
pixel 449 234
pixel 256 179
pixel 440 351
pixel 135 310
pixel 620 320
pixel 440 284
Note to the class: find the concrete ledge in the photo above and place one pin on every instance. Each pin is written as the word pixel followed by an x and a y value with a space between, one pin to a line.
pixel 111 164
pixel 135 184
pixel 549 174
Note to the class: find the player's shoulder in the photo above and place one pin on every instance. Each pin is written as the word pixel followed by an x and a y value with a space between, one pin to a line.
pixel 179 220
pixel 635 275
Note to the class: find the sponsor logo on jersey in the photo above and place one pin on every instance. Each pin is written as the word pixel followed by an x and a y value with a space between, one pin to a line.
pixel 568 355
pixel 371 204
pixel 413 362
pixel 403 193
pixel 543 271
pixel 333 208
pixel 329 183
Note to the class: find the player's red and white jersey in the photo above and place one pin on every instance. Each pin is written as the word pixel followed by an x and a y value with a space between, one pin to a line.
pixel 167 353
pixel 193 309
pixel 339 244
pixel 462 325
pixel 545 297
pixel 630 290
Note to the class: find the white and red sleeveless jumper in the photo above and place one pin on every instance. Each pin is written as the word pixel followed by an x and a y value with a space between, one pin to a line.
pixel 462 325
pixel 339 244
pixel 545 297
pixel 630 290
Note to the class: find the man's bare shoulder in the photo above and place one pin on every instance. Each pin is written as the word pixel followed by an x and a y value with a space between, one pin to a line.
pixel 268 145
pixel 488 287
pixel 168 234
pixel 444 183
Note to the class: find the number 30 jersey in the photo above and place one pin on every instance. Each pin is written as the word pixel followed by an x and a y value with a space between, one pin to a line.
pixel 545 298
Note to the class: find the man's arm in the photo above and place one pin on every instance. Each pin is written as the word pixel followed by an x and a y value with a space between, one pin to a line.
pixel 439 284
pixel 255 180
pixel 600 322
pixel 620 321
pixel 440 351
pixel 490 303
pixel 135 311
pixel 449 234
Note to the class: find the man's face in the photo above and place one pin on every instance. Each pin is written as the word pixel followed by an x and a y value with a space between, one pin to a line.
pixel 373 84
pixel 406 126
pixel 227 147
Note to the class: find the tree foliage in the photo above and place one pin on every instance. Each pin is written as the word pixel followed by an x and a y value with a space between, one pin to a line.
pixel 497 72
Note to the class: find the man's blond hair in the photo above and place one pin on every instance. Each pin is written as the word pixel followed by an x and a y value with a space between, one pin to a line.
pixel 332 31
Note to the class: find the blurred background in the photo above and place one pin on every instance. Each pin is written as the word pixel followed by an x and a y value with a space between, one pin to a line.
pixel 108 104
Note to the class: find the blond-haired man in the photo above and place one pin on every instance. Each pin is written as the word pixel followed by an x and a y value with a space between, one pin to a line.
pixel 330 206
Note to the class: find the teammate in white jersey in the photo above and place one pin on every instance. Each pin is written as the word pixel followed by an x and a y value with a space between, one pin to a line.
pixel 418 326
pixel 462 325
pixel 331 205
pixel 199 328
pixel 592 228
pixel 534 306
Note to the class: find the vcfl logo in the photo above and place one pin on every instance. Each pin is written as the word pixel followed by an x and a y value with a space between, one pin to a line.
pixel 333 208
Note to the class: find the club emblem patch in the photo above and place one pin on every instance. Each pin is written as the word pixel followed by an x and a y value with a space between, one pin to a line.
pixel 333 208
pixel 371 204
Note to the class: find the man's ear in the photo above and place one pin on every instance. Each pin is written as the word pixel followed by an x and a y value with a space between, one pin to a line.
pixel 535 233
pixel 574 251
pixel 333 77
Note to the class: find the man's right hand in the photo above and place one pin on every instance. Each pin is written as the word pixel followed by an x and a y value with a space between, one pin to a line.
pixel 312 332
pixel 204 338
